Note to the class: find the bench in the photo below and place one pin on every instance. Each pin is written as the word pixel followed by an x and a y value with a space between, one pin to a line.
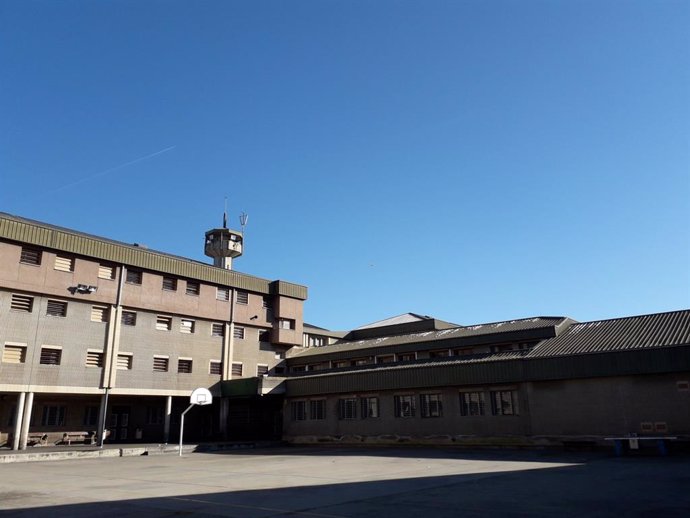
pixel 85 437
pixel 633 443
pixel 37 439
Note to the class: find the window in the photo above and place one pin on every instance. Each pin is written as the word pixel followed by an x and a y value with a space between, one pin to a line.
pixel 134 276
pixel 154 415
pixel 91 416
pixel 341 364
pixel 163 323
pixel 504 402
pixel 370 407
pixel 169 284
pixel 184 365
pixel 223 294
pixel 261 370
pixel 14 353
pixel 236 369
pixel 56 308
pixel 316 341
pixel 242 297
pixel 408 357
pixel 215 367
pixel 238 332
pixel 124 361
pixel 431 405
pixel 193 288
pixel 217 329
pixel 22 303
pixel 471 403
pixel 94 359
pixel 99 313
pixel 160 364
pixel 129 318
pixel 30 256
pixel 266 303
pixel 298 409
pixel 404 406
pixel 264 335
pixel 186 326
pixel 388 358
pixel 347 408
pixel 106 271
pixel 53 416
pixel 50 355
pixel 317 409
pixel 286 323
pixel 64 264
pixel 439 354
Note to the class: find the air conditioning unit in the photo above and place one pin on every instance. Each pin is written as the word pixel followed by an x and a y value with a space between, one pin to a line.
pixel 661 426
pixel 646 427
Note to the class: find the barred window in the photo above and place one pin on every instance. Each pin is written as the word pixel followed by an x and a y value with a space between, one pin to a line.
pixel 134 276
pixel 186 326
pixel 347 408
pixel 53 415
pixel 90 416
pixel 14 353
pixel 129 318
pixel 22 303
pixel 317 409
pixel 370 407
pixel 30 256
pixel 64 264
pixel 215 367
pixel 99 313
pixel 222 293
pixel 106 271
pixel 217 329
pixel 261 370
pixel 242 297
pixel 298 410
pixel 431 405
pixel 124 362
pixel 163 323
pixel 471 403
pixel 184 366
pixel 169 283
pixel 236 369
pixel 56 308
pixel 238 332
pixel 404 406
pixel 193 288
pixel 94 359
pixel 160 364
pixel 50 356
pixel 504 402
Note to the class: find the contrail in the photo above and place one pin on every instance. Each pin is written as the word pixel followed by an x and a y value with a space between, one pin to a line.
pixel 126 164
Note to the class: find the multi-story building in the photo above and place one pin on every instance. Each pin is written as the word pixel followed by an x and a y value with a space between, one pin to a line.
pixel 100 337
pixel 98 334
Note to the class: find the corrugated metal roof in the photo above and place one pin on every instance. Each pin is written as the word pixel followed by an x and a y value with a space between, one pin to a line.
pixel 57 238
pixel 639 332
pixel 438 335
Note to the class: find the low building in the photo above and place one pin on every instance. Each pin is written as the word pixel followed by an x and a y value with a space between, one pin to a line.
pixel 535 381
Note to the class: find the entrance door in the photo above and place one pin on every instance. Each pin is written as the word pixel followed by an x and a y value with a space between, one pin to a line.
pixel 119 423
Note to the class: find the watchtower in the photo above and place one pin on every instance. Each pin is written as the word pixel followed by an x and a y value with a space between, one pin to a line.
pixel 224 244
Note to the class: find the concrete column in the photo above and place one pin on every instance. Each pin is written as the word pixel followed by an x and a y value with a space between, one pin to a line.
pixel 224 409
pixel 18 418
pixel 168 413
pixel 28 408
pixel 102 414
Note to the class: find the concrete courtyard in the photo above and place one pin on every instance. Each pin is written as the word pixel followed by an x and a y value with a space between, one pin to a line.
pixel 328 482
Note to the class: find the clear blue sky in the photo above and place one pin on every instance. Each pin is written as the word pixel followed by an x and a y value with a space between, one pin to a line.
pixel 474 161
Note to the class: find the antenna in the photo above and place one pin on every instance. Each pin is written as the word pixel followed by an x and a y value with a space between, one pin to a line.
pixel 225 213
pixel 244 217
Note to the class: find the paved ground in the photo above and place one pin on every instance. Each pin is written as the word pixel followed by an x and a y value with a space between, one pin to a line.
pixel 323 482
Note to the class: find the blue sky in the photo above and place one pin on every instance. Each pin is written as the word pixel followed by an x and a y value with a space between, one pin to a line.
pixel 474 161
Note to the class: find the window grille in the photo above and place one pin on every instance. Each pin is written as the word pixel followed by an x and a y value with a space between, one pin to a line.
pixel 94 359
pixel 22 303
pixel 160 364
pixel 193 288
pixel 184 366
pixel 30 256
pixel 242 297
pixel 106 271
pixel 64 264
pixel 163 323
pixel 14 354
pixel 169 283
pixel 129 318
pixel 186 326
pixel 404 406
pixel 124 362
pixel 236 369
pixel 217 329
pixel 215 368
pixel 50 356
pixel 238 332
pixel 56 308
pixel 223 294
pixel 99 313
pixel 431 405
pixel 347 408
pixel 471 403
pixel 134 277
